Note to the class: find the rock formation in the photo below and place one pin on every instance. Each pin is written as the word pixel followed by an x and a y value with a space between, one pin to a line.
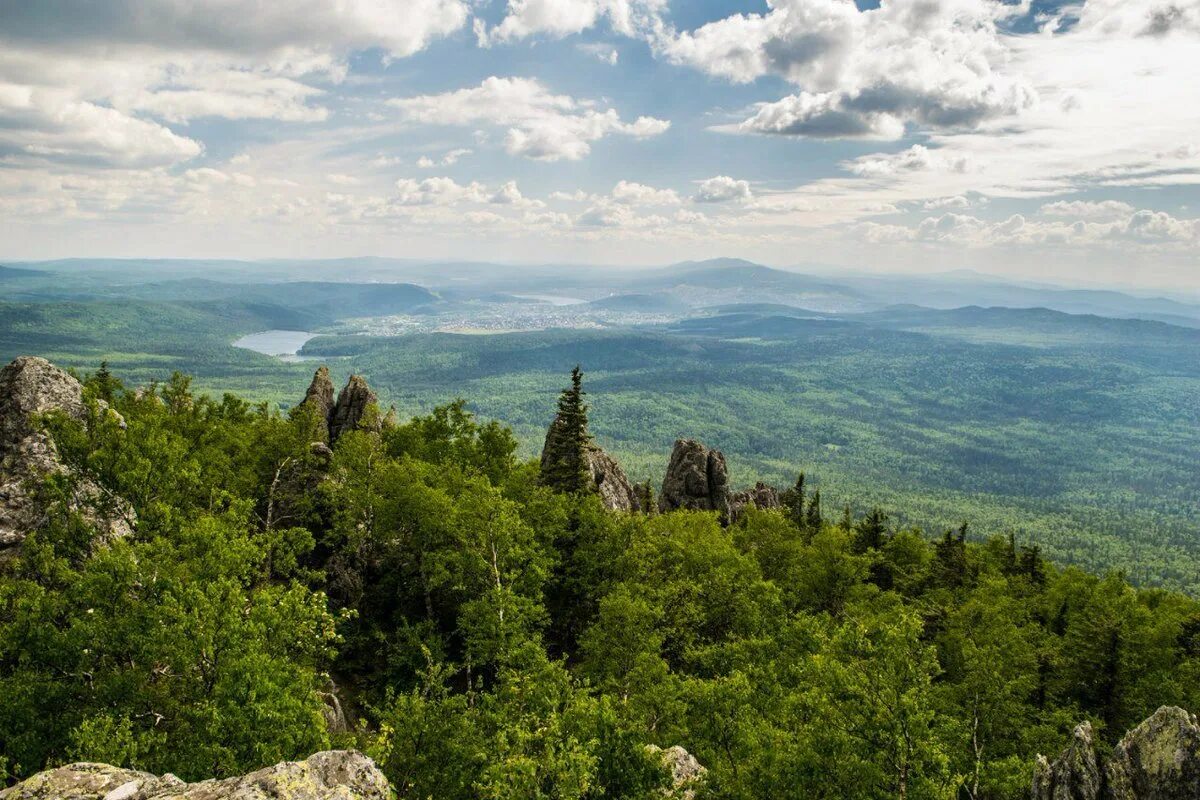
pixel 697 479
pixel 331 775
pixel 611 483
pixel 686 772
pixel 30 386
pixel 762 496
pixel 347 412
pixel 1157 760
pixel 351 407
pixel 319 396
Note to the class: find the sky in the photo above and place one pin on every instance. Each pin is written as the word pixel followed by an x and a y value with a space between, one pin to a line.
pixel 1035 139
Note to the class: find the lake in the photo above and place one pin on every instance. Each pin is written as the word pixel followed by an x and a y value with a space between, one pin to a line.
pixel 284 345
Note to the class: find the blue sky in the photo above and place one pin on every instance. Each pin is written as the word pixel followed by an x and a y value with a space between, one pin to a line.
pixel 1057 141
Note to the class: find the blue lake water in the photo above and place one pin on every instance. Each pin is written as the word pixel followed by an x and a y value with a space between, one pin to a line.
pixel 284 345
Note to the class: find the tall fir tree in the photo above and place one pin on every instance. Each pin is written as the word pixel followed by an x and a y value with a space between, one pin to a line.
pixel 565 467
pixel 812 516
pixel 793 502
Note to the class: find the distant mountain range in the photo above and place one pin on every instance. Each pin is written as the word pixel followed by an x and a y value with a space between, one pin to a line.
pixel 672 289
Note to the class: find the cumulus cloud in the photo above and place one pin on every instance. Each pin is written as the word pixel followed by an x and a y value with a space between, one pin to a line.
pixel 936 64
pixel 1086 209
pixel 541 125
pixel 638 194
pixel 101 82
pixel 446 160
pixel 559 18
pixel 722 189
pixel 38 124
pixel 917 158
pixel 243 27
pixel 1140 228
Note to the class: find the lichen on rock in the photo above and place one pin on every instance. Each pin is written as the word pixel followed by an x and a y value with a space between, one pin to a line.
pixel 329 775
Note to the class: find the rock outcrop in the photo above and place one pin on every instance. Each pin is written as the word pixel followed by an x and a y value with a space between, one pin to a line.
pixel 686 772
pixel 319 397
pixel 762 497
pixel 1157 760
pixel 697 479
pixel 347 412
pixel 331 775
pixel 30 386
pixel 352 403
pixel 609 480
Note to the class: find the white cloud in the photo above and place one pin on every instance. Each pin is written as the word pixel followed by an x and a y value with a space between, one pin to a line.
pixel 638 194
pixel 1135 229
pixel 541 125
pixel 438 191
pixel 1086 209
pixel 936 64
pixel 722 189
pixel 95 82
pixel 448 159
pixel 957 202
pixel 559 18
pixel 38 124
pixel 917 158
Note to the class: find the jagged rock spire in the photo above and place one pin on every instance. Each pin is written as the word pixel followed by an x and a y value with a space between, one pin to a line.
pixel 347 412
pixel 696 479
pixel 320 397
pixel 352 404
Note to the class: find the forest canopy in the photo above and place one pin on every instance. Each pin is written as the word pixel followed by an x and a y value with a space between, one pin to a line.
pixel 416 590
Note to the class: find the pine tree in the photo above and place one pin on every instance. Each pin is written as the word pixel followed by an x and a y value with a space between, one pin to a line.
pixel 812 517
pixel 645 497
pixel 793 502
pixel 565 466
pixel 869 533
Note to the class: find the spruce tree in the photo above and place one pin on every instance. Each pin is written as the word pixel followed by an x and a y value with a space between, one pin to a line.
pixel 565 468
pixel 793 502
pixel 812 517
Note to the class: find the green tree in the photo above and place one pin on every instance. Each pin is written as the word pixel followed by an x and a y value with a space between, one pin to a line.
pixel 565 467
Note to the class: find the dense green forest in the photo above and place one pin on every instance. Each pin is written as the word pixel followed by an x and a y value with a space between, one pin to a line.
pixel 1077 432
pixel 489 635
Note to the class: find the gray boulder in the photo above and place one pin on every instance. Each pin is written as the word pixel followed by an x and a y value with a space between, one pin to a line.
pixel 697 479
pixel 330 775
pixel 1157 760
pixel 686 772
pixel 29 387
pixel 762 497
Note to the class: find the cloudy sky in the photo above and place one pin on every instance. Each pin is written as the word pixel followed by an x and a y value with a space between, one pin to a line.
pixel 1041 139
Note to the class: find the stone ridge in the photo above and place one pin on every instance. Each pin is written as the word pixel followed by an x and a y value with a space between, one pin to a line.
pixel 329 775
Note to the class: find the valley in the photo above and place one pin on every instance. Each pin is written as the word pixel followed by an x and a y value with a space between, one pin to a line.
pixel 1074 431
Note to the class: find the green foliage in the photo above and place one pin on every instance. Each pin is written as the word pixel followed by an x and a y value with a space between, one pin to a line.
pixel 493 637
pixel 564 464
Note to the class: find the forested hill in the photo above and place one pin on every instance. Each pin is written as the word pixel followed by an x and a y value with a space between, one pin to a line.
pixel 205 587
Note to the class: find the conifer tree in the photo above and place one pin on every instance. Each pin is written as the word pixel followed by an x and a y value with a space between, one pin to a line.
pixel 812 517
pixel 869 533
pixel 793 502
pixel 565 466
